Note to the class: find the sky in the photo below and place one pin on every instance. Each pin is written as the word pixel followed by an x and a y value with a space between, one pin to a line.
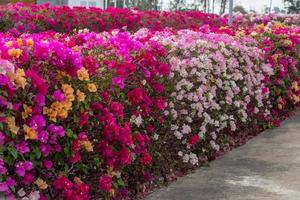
pixel 258 5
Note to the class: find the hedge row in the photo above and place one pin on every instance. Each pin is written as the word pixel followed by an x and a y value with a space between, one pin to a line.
pixel 90 115
pixel 19 18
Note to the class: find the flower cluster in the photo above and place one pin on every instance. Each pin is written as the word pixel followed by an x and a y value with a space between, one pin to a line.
pixel 281 47
pixel 20 18
pixel 218 87
pixel 88 104
pixel 253 19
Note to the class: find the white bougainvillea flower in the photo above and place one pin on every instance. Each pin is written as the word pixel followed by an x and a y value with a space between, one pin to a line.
pixel 6 67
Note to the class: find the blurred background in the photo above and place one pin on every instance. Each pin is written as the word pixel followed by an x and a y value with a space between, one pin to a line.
pixel 210 6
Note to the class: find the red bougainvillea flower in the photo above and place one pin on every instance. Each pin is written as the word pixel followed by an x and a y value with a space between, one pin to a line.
pixel 194 139
pixel 145 158
pixel 105 183
pixel 135 96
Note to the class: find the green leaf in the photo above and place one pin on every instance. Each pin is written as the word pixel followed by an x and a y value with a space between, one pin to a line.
pixel 121 182
pixel 8 160
pixel 97 162
pixel 115 185
pixel 70 134
pixel 37 153
pixel 66 169
pixel 12 151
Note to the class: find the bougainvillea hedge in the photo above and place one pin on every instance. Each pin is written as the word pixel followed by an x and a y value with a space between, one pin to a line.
pixel 85 116
pixel 113 114
pixel 19 18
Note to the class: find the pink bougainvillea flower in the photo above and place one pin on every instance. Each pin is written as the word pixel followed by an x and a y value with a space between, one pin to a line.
pixel 37 81
pixel 118 81
pixel 75 159
pixel 37 122
pixel 43 136
pixel 47 164
pixel 22 147
pixel 3 169
pixel 22 167
pixel 3 80
pixel 28 178
pixel 2 138
pixel 117 108
pixel 56 130
pixel 62 182
pixel 40 99
pixel 58 95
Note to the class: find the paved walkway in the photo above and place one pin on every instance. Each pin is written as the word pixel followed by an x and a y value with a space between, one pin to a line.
pixel 267 168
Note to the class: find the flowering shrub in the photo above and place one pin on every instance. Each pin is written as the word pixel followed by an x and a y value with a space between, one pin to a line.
pixel 67 114
pixel 107 115
pixel 218 87
pixel 249 20
pixel 281 47
pixel 20 18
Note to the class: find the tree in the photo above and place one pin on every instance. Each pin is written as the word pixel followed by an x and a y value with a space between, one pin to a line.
pixel 142 4
pixel 266 9
pixel 213 6
pixel 293 6
pixel 176 4
pixel 223 6
pixel 276 9
pixel 240 9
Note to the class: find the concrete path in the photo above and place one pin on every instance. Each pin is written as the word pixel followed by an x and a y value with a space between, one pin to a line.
pixel 267 168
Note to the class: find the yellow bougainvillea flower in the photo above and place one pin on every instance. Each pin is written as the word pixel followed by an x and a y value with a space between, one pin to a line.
pixel 80 96
pixel 77 180
pixel 30 133
pixel 91 87
pixel 11 122
pixel 63 114
pixel 68 92
pixel 29 42
pixel 83 74
pixel 223 27
pixel 295 85
pixel 261 26
pixel 296 98
pixel 111 172
pixel 19 42
pixel 18 77
pixel 51 113
pixel 42 185
pixel 113 192
pixel 20 82
pixel 59 110
pixel 15 52
pixel 27 111
pixel 87 145
pixel 9 44
pixel 287 43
